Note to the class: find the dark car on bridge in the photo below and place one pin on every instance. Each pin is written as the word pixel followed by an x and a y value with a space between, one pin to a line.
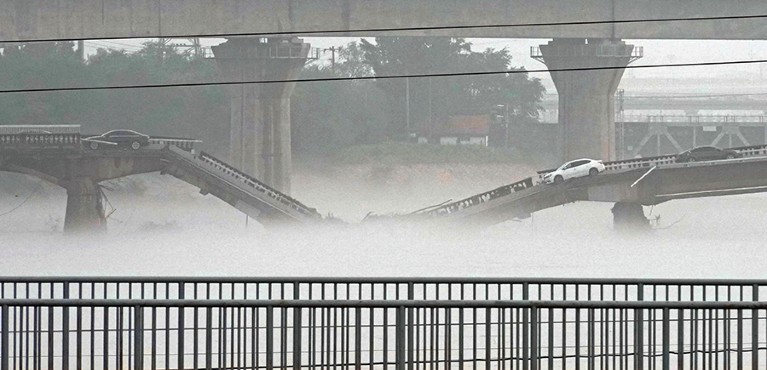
pixel 706 153
pixel 124 138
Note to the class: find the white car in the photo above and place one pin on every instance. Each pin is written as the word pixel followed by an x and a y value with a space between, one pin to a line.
pixel 570 170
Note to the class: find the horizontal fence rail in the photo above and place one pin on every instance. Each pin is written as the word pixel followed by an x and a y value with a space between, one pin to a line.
pixel 181 334
pixel 309 288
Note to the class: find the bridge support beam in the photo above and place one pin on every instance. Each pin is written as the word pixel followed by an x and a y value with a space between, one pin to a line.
pixel 587 98
pixel 629 217
pixel 85 210
pixel 260 113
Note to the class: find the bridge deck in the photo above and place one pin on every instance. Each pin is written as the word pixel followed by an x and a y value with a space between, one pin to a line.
pixel 646 181
pixel 242 191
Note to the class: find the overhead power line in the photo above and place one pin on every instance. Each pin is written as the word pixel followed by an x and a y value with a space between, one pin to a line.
pixel 693 96
pixel 334 79
pixel 423 28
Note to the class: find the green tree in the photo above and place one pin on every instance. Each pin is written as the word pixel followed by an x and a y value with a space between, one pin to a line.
pixel 434 99
pixel 200 112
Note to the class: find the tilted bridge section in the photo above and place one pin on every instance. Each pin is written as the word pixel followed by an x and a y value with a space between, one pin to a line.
pixel 630 184
pixel 62 159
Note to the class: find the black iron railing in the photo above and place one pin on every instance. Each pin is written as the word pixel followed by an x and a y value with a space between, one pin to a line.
pixel 214 334
pixel 382 288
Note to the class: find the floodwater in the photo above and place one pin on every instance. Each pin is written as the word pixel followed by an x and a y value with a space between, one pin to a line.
pixel 183 233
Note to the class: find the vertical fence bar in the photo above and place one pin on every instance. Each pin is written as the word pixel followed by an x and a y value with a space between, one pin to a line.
pixel 680 339
pixel 180 330
pixel 639 331
pixel 410 328
pixel 270 338
pixel 755 330
pixel 209 338
pixel 138 338
pixel 666 340
pixel 4 330
pixel 525 329
pixel 65 331
pixel 296 338
pixel 400 355
pixel 534 338
pixel 740 339
pixel 358 339
pixel 590 340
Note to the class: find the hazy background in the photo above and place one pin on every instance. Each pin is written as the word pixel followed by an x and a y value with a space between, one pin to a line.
pixel 171 230
pixel 161 226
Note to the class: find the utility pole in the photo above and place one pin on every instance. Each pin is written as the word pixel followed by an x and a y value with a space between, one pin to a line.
pixel 407 103
pixel 333 50
pixel 621 126
pixel 431 123
pixel 508 123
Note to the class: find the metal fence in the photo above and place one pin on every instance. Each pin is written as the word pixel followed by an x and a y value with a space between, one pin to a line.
pixel 179 334
pixel 382 288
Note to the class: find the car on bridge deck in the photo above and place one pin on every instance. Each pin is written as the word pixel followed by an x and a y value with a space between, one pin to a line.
pixel 123 138
pixel 573 169
pixel 706 153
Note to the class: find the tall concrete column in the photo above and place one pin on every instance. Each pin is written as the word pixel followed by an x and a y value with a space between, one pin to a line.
pixel 85 210
pixel 260 113
pixel 587 98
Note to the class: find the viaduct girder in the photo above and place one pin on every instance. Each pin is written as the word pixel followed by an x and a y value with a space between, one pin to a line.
pixel 87 19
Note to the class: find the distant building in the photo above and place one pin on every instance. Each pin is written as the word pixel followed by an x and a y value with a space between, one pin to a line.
pixel 458 130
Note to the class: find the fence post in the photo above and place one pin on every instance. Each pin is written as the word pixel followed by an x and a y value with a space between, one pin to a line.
pixel 666 340
pixel 525 328
pixel 534 338
pixel 208 338
pixel 65 330
pixel 410 326
pixel 270 337
pixel 400 329
pixel 680 339
pixel 4 355
pixel 181 288
pixel 138 338
pixel 639 331
pixel 357 338
pixel 755 331
pixel 297 338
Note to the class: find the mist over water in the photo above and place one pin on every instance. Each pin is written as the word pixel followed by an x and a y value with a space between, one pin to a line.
pixel 171 230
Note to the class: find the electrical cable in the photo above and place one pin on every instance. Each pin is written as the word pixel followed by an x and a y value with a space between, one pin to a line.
pixel 423 75
pixel 420 28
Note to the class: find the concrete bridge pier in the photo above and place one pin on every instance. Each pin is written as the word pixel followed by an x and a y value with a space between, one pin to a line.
pixel 629 217
pixel 85 209
pixel 260 113
pixel 587 98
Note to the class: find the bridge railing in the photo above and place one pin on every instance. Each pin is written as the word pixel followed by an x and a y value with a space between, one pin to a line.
pixel 39 141
pixel 713 119
pixel 481 198
pixel 243 178
pixel 649 162
pixel 101 334
pixel 181 143
pixel 308 288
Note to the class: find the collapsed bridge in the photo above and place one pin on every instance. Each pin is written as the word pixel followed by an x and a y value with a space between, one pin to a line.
pixel 59 157
pixel 57 154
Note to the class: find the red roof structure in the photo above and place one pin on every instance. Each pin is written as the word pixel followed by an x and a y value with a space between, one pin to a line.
pixel 464 126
